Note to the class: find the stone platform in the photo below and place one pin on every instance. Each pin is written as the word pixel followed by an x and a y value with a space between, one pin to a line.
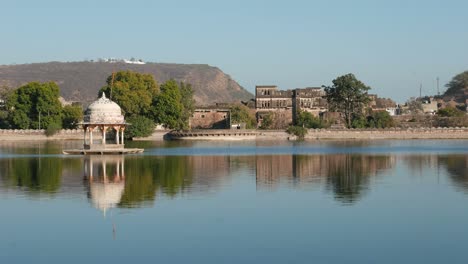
pixel 103 151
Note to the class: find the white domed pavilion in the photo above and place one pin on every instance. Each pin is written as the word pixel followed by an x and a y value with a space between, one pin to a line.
pixel 103 115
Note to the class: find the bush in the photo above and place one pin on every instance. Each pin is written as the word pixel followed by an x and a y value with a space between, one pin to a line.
pixel 450 112
pixel 140 126
pixel 52 129
pixel 306 119
pixel 298 131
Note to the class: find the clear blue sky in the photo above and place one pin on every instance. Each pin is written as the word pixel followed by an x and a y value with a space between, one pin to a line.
pixel 393 46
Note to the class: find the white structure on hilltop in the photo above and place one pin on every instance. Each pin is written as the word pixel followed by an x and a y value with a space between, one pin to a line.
pixel 128 61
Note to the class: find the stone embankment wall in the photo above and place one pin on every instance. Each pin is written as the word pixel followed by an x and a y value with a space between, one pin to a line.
pixel 330 134
pixel 233 134
pixel 393 133
pixel 39 134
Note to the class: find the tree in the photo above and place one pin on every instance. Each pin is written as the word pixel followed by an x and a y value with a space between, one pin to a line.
pixel 457 84
pixel 241 114
pixel 133 92
pixel 71 116
pixel 267 121
pixel 450 112
pixel 307 120
pixel 140 126
pixel 167 107
pixel 347 95
pixel 380 119
pixel 187 102
pixel 35 105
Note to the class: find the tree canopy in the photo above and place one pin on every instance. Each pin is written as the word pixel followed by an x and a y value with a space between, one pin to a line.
pixel 347 95
pixel 133 91
pixel 167 106
pixel 457 84
pixel 241 114
pixel 34 105
pixel 139 95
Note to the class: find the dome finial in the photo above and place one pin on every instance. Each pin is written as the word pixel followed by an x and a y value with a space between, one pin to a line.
pixel 103 95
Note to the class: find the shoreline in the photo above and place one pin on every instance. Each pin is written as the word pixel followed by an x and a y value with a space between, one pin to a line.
pixel 266 135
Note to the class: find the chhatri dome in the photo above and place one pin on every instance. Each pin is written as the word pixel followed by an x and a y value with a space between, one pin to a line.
pixel 103 116
pixel 104 111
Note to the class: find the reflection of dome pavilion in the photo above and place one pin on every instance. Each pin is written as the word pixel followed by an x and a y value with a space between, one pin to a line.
pixel 106 180
pixel 103 115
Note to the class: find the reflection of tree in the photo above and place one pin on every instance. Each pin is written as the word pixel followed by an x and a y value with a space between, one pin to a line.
pixel 348 174
pixel 457 168
pixel 146 175
pixel 417 163
pixel 35 174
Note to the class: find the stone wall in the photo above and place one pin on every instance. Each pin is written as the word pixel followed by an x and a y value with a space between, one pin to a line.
pixel 210 118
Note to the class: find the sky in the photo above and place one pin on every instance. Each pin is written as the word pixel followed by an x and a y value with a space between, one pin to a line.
pixel 392 46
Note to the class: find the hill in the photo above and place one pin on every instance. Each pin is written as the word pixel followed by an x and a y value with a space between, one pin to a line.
pixel 80 81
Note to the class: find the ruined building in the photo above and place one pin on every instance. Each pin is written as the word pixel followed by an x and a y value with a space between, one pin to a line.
pixel 286 104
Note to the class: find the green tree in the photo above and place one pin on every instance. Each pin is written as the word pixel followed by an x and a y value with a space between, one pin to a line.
pixel 187 102
pixel 347 95
pixel 307 120
pixel 35 105
pixel 267 121
pixel 241 114
pixel 298 131
pixel 133 92
pixel 167 107
pixel 458 84
pixel 380 119
pixel 140 126
pixel 450 112
pixel 71 116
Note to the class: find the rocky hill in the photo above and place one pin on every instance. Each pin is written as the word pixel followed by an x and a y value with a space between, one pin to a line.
pixel 80 81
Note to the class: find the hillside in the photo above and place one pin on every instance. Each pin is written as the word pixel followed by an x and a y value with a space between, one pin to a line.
pixel 80 81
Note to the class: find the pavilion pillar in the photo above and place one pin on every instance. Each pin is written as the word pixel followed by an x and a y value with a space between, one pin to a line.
pixel 103 129
pixel 91 135
pixel 84 135
pixel 117 135
pixel 122 135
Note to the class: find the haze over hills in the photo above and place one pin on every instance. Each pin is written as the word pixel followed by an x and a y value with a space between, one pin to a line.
pixel 80 81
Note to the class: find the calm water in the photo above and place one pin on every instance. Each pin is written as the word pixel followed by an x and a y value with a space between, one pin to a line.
pixel 238 202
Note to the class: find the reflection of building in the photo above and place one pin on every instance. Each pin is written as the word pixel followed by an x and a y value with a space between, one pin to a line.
pixel 106 180
pixel 106 116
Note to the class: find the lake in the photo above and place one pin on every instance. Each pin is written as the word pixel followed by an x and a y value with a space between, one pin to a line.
pixel 236 202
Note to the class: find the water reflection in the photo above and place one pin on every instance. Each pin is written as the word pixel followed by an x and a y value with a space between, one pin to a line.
pixel 105 180
pixel 346 175
pixel 457 168
pixel 138 181
pixel 34 175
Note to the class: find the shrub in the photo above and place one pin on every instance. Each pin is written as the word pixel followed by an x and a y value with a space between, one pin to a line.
pixel 52 129
pixel 140 126
pixel 298 131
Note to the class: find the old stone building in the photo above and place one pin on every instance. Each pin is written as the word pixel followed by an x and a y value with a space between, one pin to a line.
pixel 210 117
pixel 286 104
